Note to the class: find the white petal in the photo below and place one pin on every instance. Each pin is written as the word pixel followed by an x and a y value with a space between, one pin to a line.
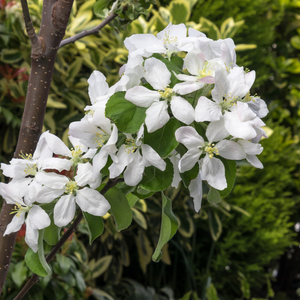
pixel 57 146
pixel 151 158
pixel 15 224
pixel 176 177
pixel 84 174
pixel 64 210
pixel 194 61
pixel 99 161
pixel 57 164
pixel 251 148
pixel 216 131
pixel 91 201
pixel 214 172
pixel 254 161
pixel 124 157
pixel 189 159
pixel 189 137
pixel 182 110
pixel 221 85
pixel 39 219
pixel 239 129
pixel 134 171
pixel 157 73
pixel 52 180
pixel 97 86
pixel 195 189
pixel 10 193
pixel 244 112
pixel 157 116
pixel 231 150
pixel 31 236
pixel 141 96
pixel 207 110
pixel 187 87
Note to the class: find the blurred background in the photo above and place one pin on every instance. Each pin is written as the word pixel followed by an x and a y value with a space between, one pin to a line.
pixel 247 246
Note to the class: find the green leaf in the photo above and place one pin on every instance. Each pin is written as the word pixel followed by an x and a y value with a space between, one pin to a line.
pixel 100 266
pixel 100 8
pixel 120 208
pixel 139 218
pixel 127 116
pixel 142 193
pixel 163 141
pixel 95 226
pixel 65 263
pixel 213 196
pixel 11 56
pixel 169 226
pixel 19 273
pixel 132 199
pixel 211 293
pixel 52 232
pixel 36 262
pixel 230 174
pixel 157 180
pixel 189 175
pixel 180 11
pixel 295 41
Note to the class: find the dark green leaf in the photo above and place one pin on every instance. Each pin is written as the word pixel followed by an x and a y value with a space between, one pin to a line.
pixel 169 226
pixel 120 208
pixel 156 180
pixel 52 233
pixel 36 262
pixel 127 116
pixel 230 174
pixel 95 226
pixel 163 141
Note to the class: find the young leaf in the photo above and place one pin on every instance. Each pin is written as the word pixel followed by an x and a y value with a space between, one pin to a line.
pixel 230 174
pixel 95 226
pixel 169 226
pixel 163 141
pixel 213 196
pixel 157 180
pixel 127 116
pixel 52 232
pixel 120 208
pixel 36 262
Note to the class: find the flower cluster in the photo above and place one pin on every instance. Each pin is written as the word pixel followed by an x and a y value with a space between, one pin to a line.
pixel 181 111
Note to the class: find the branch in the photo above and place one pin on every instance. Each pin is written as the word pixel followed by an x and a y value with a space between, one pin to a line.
pixel 34 278
pixel 94 30
pixel 28 23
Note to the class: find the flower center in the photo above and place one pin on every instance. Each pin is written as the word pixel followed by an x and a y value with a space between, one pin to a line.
pixel 204 72
pixel 170 40
pixel 19 208
pixel 211 150
pixel 100 138
pixel 166 94
pixel 25 156
pixel 228 102
pixel 31 170
pixel 130 146
pixel 71 187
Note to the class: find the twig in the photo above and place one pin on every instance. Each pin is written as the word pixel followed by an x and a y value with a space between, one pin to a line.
pixel 87 32
pixel 34 278
pixel 28 23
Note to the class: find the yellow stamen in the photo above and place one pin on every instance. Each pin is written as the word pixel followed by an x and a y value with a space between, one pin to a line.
pixel 167 93
pixel 130 146
pixel 71 187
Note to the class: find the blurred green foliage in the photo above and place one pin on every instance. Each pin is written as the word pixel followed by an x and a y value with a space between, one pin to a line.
pixel 229 250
